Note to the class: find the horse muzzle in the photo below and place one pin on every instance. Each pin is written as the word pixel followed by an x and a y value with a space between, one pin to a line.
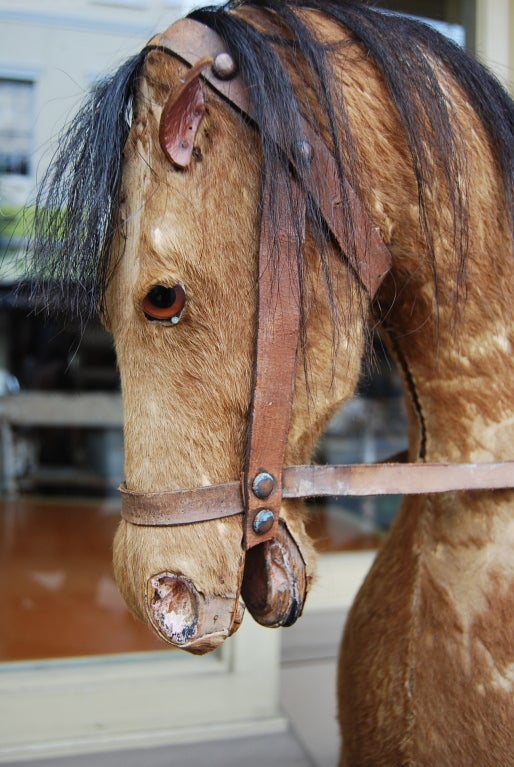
pixel 273 584
pixel 271 576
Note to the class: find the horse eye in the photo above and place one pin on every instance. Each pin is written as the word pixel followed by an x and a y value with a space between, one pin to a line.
pixel 165 304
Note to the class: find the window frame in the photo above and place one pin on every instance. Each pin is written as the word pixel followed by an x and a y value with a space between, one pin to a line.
pixel 24 135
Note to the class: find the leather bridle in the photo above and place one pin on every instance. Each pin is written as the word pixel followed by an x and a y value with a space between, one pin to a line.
pixel 265 481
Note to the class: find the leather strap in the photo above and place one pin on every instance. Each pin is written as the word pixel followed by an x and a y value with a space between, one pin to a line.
pixel 181 507
pixel 278 329
pixel 191 42
pixel 282 237
pixel 396 478
pixel 169 508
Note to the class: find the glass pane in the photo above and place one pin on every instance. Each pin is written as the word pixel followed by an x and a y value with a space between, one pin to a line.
pixel 16 118
pixel 62 458
pixel 59 598
pixel 370 428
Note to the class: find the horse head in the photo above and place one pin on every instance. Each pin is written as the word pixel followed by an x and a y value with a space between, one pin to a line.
pixel 182 307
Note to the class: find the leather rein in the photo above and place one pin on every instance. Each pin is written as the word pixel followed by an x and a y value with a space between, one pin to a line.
pixel 265 481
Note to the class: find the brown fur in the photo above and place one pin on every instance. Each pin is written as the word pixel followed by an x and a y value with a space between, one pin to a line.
pixel 426 674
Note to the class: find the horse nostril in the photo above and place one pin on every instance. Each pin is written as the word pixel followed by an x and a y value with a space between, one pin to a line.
pixel 174 607
pixel 187 618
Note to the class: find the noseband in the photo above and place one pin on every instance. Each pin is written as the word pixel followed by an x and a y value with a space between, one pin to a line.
pixel 265 481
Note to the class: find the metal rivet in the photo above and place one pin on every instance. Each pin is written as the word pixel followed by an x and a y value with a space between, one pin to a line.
pixel 263 521
pixel 263 485
pixel 224 66
pixel 303 152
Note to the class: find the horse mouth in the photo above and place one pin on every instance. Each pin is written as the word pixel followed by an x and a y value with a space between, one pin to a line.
pixel 188 619
pixel 275 582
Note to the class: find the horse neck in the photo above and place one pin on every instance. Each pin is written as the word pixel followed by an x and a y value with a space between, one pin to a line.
pixel 453 336
pixel 456 358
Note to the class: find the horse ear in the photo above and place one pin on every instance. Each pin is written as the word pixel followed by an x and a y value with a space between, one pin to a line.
pixel 181 117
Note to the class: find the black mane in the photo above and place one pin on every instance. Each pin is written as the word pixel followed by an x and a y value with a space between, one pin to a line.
pixel 70 250
pixel 68 264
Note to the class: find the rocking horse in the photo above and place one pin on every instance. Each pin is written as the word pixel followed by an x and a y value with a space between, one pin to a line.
pixel 244 202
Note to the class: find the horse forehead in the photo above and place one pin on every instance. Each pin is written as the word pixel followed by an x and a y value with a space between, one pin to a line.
pixel 161 217
pixel 198 219
pixel 158 238
pixel 173 246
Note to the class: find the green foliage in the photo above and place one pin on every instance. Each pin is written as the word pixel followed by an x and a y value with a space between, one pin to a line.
pixel 15 224
pixel 15 227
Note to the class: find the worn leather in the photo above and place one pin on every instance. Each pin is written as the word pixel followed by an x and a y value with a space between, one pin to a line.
pixel 278 325
pixel 188 619
pixel 319 481
pixel 181 117
pixel 275 580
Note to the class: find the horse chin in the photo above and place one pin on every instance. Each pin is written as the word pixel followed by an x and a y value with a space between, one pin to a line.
pixel 275 581
pixel 186 618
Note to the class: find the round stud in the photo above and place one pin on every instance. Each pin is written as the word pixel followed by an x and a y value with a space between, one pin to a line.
pixel 224 66
pixel 263 485
pixel 263 521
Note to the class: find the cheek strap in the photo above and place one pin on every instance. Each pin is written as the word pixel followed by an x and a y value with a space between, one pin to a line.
pixel 278 327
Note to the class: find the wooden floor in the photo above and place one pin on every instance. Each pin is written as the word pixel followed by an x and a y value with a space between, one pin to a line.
pixel 58 596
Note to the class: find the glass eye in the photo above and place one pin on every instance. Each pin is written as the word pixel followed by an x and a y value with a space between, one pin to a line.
pixel 165 304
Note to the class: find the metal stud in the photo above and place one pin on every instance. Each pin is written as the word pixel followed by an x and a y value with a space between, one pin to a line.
pixel 263 485
pixel 263 521
pixel 224 66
